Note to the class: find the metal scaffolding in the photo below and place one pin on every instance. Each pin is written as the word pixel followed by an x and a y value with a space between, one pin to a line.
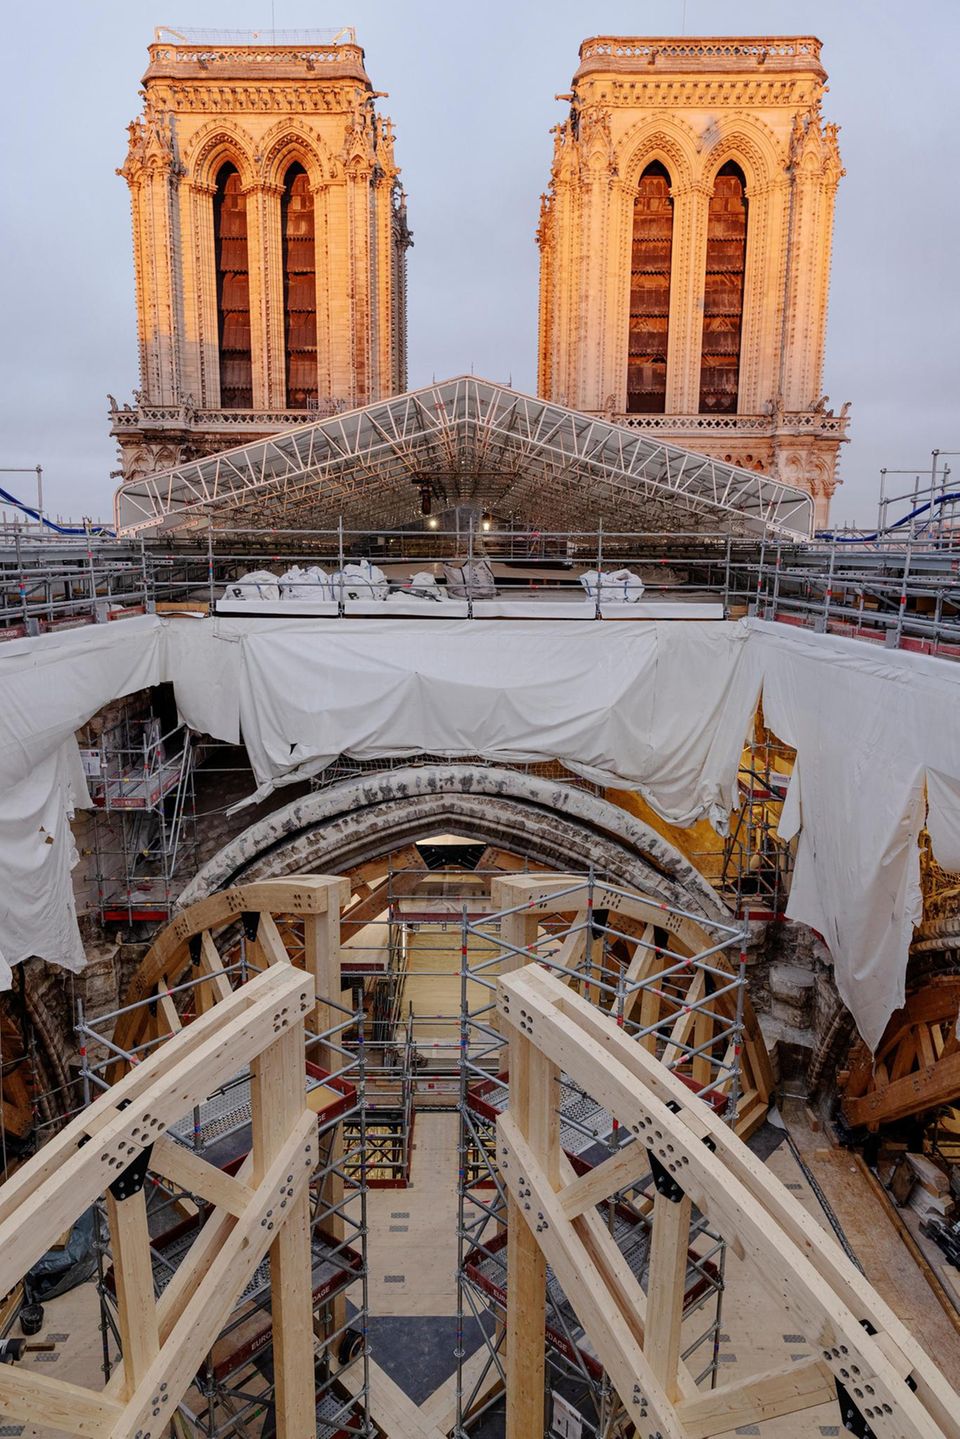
pixel 141 781
pixel 688 1008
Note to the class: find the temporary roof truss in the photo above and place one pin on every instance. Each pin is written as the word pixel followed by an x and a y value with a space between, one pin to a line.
pixel 264 1209
pixel 861 1353
pixel 469 442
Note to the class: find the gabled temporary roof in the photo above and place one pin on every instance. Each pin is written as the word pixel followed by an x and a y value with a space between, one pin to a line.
pixel 470 442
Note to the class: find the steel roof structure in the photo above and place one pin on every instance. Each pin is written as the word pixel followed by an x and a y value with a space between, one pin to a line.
pixel 469 442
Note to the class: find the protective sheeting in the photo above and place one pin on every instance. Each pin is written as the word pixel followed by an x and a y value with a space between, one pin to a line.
pixel 52 685
pixel 877 735
pixel 662 708
pixel 49 688
pixel 658 707
pixel 38 913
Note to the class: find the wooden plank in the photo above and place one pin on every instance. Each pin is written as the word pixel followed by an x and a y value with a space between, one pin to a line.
pixel 34 1398
pixel 195 1175
pixel 670 1240
pixel 212 965
pixel 440 1410
pixel 627 1166
pixel 390 1408
pixel 784 1390
pixel 938 1083
pixel 133 1273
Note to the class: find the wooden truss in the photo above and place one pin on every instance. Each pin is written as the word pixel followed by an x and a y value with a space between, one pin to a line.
pixel 264 1208
pixel 190 949
pixel 917 1063
pixel 861 1353
pixel 641 961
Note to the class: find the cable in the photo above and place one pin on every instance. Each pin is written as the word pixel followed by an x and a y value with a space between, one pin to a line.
pixel 50 525
pixel 877 534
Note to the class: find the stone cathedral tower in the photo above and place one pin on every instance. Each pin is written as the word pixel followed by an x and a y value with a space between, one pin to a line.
pixel 269 237
pixel 685 250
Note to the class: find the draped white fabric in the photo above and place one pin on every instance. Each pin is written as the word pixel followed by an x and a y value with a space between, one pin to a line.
pixel 49 687
pixel 877 734
pixel 659 707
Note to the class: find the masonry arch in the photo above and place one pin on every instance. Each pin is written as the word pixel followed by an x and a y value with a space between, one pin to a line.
pixel 555 824
pixel 212 148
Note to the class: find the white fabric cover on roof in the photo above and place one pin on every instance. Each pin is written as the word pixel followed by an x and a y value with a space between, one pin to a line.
pixel 662 708
pixel 657 707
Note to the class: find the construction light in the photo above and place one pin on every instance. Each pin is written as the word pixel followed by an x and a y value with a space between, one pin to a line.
pixel 433 522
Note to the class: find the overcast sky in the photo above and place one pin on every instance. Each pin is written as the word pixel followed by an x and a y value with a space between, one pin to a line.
pixel 471 90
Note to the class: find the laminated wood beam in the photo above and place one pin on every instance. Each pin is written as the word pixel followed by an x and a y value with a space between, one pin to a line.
pixel 585 1288
pixel 74 1167
pixel 669 1243
pixel 133 1272
pixel 790 1254
pixel 225 1279
pixel 110 1147
pixel 784 1390
pixel 37 1399
pixel 189 1172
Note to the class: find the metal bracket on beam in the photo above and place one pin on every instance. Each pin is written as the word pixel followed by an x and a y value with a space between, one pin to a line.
pixel 132 1180
pixel 663 1180
pixel 853 1419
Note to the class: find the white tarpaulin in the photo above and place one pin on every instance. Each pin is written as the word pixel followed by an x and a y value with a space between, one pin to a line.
pixel 49 687
pixel 874 730
pixel 661 708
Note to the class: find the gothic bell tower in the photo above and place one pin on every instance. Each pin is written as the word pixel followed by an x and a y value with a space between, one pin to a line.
pixel 685 249
pixel 269 240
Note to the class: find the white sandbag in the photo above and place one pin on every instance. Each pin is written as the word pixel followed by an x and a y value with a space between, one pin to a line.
pixel 421 586
pixel 361 581
pixel 312 583
pixel 473 580
pixel 257 585
pixel 616 586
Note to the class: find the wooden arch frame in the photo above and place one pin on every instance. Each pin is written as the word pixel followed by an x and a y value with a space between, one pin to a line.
pixel 532 897
pixel 111 1146
pixel 186 946
pixel 885 1379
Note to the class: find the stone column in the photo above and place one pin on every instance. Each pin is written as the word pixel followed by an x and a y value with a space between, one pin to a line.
pixel 358 264
pixel 156 243
pixel 688 264
pixel 816 171
pixel 265 266
pixel 767 210
pixel 201 340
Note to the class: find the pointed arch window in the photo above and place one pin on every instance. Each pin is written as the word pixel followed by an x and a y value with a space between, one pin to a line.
pixel 233 290
pixel 299 288
pixel 723 293
pixel 650 267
